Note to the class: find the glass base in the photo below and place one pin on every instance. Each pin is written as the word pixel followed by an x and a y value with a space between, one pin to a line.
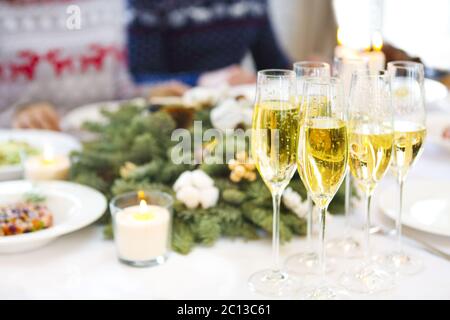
pixel 368 278
pixel 273 283
pixel 402 263
pixel 307 263
pixel 145 263
pixel 348 247
pixel 325 292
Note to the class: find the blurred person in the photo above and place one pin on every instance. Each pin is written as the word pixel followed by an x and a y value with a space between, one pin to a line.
pixel 201 42
pixel 47 69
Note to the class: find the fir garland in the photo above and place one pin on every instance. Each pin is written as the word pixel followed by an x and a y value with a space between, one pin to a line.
pixel 137 136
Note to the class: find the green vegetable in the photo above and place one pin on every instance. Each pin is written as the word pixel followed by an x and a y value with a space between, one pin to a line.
pixel 11 152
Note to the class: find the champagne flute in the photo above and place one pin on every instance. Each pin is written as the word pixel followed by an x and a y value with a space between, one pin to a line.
pixel 322 157
pixel 306 262
pixel 407 86
pixel 347 246
pixel 274 146
pixel 371 138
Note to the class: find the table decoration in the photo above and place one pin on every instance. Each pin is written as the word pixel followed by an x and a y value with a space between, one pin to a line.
pixel 371 53
pixel 196 188
pixel 47 166
pixel 139 142
pixel 142 224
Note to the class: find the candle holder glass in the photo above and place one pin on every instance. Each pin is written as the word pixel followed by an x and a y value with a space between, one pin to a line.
pixel 142 241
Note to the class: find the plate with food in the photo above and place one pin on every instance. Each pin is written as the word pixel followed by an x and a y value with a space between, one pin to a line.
pixel 34 214
pixel 73 121
pixel 426 205
pixel 438 129
pixel 15 145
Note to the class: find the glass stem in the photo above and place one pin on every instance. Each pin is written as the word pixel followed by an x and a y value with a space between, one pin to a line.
pixel 348 192
pixel 309 222
pixel 322 252
pixel 367 227
pixel 398 222
pixel 276 198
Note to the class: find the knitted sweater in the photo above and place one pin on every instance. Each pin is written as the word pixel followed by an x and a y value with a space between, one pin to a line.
pixel 180 39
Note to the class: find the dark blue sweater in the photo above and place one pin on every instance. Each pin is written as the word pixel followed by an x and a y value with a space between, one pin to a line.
pixel 180 39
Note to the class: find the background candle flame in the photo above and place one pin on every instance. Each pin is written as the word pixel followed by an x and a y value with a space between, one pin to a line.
pixel 339 36
pixel 48 156
pixel 377 41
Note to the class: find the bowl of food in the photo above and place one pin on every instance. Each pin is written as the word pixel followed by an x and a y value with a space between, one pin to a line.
pixel 11 155
pixel 34 214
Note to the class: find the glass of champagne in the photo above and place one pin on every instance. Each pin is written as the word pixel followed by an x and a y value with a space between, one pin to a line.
pixel 306 262
pixel 407 87
pixel 322 159
pixel 370 138
pixel 274 147
pixel 347 246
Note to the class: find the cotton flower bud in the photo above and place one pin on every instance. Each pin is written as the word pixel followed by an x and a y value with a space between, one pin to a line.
pixel 185 179
pixel 201 180
pixel 190 196
pixel 209 197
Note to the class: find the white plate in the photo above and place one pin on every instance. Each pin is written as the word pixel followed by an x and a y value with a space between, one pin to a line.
pixel 436 123
pixel 426 205
pixel 61 143
pixel 74 119
pixel 73 207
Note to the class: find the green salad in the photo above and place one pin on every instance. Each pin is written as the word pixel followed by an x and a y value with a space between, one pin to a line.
pixel 10 152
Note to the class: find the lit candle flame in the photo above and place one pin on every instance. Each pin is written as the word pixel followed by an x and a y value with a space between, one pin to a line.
pixel 377 41
pixel 144 213
pixel 143 208
pixel 339 36
pixel 48 156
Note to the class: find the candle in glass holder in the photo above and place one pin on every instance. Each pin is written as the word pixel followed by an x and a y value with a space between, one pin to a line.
pixel 47 166
pixel 141 234
pixel 375 57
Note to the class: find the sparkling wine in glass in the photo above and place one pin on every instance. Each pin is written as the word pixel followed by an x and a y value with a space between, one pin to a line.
pixel 370 138
pixel 407 88
pixel 307 262
pixel 274 148
pixel 347 245
pixel 322 158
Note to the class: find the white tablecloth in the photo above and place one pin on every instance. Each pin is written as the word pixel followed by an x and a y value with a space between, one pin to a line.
pixel 83 265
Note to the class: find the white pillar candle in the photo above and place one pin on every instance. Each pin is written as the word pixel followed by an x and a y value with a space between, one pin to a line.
pixel 343 52
pixel 47 166
pixel 141 232
pixel 375 59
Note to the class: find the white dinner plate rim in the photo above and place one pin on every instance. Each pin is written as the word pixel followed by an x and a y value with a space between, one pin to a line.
pixel 406 222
